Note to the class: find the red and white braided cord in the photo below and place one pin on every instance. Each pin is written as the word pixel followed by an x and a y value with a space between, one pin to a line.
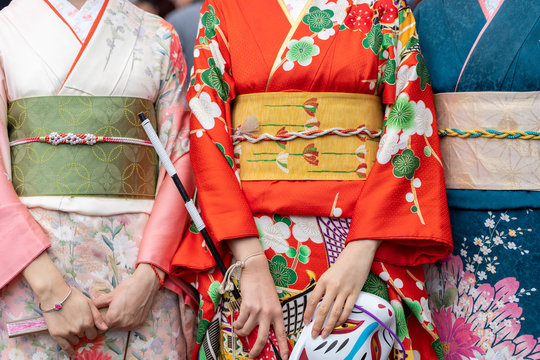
pixel 306 135
pixel 79 139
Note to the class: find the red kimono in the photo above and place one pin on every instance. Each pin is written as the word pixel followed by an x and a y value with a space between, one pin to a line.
pixel 341 68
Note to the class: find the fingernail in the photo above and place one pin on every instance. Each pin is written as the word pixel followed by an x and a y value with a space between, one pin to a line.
pixel 325 334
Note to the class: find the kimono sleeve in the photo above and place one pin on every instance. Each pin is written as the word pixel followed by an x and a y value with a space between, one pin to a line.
pixel 169 217
pixel 21 237
pixel 224 207
pixel 404 201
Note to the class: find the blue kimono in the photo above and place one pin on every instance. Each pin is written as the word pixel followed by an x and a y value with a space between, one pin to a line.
pixel 483 57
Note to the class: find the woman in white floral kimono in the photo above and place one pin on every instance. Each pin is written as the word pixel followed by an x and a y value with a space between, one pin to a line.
pixel 75 221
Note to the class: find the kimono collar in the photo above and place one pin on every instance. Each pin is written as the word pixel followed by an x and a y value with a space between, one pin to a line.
pixel 510 26
pixel 80 20
pixel 293 8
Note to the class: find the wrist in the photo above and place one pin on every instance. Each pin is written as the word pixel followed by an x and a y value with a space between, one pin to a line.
pixel 152 275
pixel 243 247
pixel 256 264
pixel 362 246
pixel 45 280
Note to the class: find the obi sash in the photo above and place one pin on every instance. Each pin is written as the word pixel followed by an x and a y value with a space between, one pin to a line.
pixel 306 136
pixel 490 140
pixel 81 146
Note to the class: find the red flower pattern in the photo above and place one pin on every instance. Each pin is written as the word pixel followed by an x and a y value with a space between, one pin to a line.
pixel 310 106
pixel 86 345
pixel 360 18
pixel 311 154
pixel 387 11
pixel 94 355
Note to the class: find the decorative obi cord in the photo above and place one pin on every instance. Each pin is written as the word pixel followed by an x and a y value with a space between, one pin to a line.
pixel 306 136
pixel 81 146
pixel 490 140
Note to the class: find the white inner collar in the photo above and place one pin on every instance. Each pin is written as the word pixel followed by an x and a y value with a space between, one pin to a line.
pixel 80 20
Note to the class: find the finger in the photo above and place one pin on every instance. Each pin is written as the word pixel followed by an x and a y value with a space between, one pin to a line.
pixel 347 309
pixel 262 337
pixel 314 299
pixel 103 301
pixel 248 327
pixel 66 347
pixel 99 322
pixel 335 313
pixel 91 333
pixel 86 322
pixel 72 339
pixel 245 312
pixel 279 330
pixel 112 318
pixel 322 312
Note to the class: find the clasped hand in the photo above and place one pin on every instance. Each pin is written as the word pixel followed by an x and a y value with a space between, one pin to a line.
pixel 130 303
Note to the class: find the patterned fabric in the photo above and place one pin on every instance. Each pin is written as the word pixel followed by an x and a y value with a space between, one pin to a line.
pixel 407 175
pixel 487 163
pixel 131 54
pixel 104 169
pixel 483 297
pixel 80 20
pixel 299 249
pixel 294 7
pixel 328 157
pixel 95 254
pixel 404 191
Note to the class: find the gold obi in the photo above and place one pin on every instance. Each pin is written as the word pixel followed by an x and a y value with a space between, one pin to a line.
pixel 342 133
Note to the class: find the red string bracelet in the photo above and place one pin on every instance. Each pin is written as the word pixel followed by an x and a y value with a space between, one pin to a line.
pixel 161 281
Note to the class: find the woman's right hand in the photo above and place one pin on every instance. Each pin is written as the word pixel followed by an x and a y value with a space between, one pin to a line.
pixel 260 304
pixel 78 316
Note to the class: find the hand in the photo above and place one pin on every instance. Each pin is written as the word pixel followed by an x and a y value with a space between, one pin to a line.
pixel 340 285
pixel 260 304
pixel 260 307
pixel 130 303
pixel 78 318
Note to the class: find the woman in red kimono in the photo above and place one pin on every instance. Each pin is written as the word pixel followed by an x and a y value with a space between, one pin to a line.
pixel 288 122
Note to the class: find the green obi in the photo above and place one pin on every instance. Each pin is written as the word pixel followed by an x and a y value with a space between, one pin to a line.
pixel 112 167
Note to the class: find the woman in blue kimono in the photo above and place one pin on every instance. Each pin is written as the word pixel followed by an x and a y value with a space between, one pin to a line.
pixel 483 59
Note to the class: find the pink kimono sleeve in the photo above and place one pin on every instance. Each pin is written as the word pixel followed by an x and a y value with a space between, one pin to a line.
pixel 21 238
pixel 169 217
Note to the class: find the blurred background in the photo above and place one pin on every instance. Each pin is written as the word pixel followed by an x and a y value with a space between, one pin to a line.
pixel 161 7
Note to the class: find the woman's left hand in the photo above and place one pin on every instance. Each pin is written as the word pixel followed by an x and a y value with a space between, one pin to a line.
pixel 130 303
pixel 340 286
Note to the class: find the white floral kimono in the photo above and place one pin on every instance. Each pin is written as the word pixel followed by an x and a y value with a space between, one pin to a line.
pixel 111 49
